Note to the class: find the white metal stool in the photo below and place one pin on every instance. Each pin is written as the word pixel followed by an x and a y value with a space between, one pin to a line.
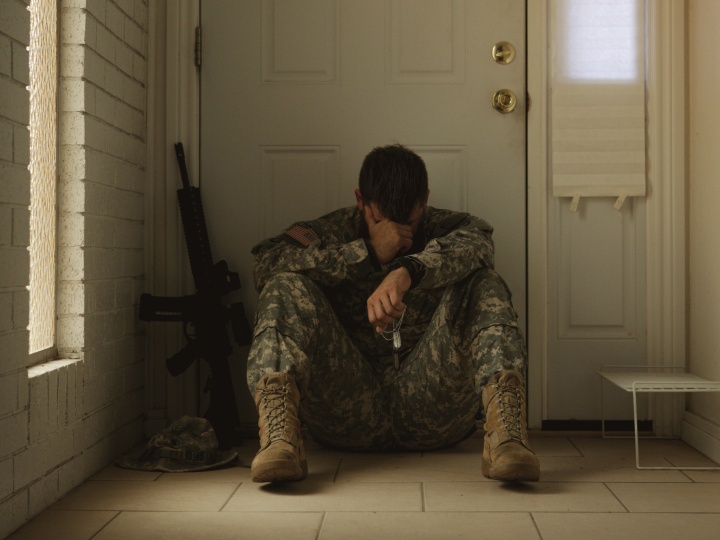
pixel 632 379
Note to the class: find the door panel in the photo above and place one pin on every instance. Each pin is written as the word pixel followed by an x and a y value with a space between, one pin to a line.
pixel 596 311
pixel 295 94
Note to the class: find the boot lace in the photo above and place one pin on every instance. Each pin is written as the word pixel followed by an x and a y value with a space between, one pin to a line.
pixel 510 405
pixel 274 403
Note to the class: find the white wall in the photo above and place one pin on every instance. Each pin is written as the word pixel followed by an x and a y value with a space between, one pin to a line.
pixel 704 212
pixel 62 422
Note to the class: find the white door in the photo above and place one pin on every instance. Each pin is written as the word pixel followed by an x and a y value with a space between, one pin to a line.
pixel 295 93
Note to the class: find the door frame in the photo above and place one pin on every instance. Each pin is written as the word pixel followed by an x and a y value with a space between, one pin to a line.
pixel 173 115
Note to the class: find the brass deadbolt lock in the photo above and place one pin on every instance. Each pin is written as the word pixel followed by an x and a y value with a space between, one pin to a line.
pixel 503 52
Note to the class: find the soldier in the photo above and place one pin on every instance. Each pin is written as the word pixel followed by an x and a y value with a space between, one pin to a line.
pixel 384 326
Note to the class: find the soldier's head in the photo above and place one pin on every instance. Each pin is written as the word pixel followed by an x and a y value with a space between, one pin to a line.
pixel 394 182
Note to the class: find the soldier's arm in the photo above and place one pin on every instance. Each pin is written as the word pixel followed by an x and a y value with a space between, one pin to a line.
pixel 300 249
pixel 454 255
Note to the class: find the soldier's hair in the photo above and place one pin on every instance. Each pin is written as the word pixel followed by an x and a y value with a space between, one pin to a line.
pixel 394 178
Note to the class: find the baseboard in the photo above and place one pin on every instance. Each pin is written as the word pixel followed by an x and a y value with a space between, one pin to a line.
pixel 702 435
pixel 596 425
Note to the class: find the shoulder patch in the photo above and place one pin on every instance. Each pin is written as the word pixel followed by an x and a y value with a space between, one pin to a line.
pixel 303 235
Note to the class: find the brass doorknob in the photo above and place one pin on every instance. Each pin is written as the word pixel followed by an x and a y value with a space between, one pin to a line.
pixel 504 101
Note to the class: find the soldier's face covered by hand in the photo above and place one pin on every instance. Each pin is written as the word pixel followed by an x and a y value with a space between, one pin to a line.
pixel 388 238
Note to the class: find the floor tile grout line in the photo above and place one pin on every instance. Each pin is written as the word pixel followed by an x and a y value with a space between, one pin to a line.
pixel 337 470
pixel 230 497
pixel 617 498
pixel 322 522
pixel 537 527
pixel 569 439
pixel 118 512
pixel 674 463
pixel 422 497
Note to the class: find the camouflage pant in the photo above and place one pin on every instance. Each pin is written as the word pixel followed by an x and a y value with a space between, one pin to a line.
pixel 352 401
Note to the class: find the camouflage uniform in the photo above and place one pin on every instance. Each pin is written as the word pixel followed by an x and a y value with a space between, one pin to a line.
pixel 458 330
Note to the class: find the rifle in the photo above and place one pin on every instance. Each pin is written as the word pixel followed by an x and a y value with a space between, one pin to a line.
pixel 205 313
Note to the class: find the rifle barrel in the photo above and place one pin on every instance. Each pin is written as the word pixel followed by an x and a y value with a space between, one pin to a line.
pixel 180 154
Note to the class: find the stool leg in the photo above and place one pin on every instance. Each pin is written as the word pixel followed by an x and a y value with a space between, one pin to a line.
pixel 635 421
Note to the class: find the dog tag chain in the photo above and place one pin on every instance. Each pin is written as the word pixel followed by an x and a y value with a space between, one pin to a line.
pixel 394 336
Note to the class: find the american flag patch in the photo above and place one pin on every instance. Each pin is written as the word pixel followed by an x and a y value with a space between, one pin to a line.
pixel 303 235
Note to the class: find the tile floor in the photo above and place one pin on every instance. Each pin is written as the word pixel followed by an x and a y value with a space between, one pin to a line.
pixel 590 489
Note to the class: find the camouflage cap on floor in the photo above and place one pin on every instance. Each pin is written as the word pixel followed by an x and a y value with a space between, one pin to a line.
pixel 189 444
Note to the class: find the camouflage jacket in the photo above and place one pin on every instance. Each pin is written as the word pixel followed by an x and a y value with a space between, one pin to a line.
pixel 332 251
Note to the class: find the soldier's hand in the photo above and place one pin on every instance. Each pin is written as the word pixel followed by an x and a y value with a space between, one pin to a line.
pixel 385 304
pixel 387 237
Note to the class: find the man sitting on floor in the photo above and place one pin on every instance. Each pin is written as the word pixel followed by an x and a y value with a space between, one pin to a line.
pixel 384 326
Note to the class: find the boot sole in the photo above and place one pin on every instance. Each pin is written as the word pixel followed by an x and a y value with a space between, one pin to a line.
pixel 279 470
pixel 513 473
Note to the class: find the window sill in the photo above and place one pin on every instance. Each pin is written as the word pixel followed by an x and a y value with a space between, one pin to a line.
pixel 46 367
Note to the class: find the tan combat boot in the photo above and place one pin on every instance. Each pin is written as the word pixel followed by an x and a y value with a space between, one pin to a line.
pixel 506 452
pixel 281 456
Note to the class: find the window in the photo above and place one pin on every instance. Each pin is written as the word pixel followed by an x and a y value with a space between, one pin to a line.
pixel 597 107
pixel 43 172
pixel 599 40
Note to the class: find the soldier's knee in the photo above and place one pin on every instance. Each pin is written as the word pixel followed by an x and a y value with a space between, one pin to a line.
pixel 290 294
pixel 488 283
pixel 480 300
pixel 287 285
pixel 289 279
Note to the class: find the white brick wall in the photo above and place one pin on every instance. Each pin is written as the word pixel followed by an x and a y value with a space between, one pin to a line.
pixel 14 201
pixel 14 187
pixel 64 420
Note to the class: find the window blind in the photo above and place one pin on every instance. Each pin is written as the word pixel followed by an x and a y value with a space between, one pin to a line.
pixel 597 104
